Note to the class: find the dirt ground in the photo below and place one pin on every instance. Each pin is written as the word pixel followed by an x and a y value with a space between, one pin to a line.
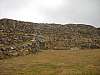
pixel 53 62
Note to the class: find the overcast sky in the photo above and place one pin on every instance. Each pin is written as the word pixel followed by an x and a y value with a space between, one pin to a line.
pixel 52 11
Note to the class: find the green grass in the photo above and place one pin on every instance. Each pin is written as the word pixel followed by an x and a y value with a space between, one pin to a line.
pixel 53 62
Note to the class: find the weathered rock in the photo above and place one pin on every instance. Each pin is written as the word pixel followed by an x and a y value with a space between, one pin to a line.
pixel 15 36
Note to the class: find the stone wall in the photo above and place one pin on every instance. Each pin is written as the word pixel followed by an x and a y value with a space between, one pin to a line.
pixel 15 36
pixel 15 51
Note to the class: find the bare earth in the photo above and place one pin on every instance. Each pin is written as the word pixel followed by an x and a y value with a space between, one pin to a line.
pixel 54 62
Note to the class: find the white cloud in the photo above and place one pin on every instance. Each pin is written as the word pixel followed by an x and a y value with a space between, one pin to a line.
pixel 57 11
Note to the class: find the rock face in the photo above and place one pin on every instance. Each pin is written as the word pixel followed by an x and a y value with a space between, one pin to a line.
pixel 16 36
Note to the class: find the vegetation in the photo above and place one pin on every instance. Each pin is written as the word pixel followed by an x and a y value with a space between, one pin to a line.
pixel 54 62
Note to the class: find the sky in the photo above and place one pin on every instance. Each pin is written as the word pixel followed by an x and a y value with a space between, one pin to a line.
pixel 52 11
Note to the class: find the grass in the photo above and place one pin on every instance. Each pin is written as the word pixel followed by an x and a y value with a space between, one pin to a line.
pixel 53 62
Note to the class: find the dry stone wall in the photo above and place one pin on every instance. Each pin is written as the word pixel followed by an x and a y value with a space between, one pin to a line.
pixel 16 36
